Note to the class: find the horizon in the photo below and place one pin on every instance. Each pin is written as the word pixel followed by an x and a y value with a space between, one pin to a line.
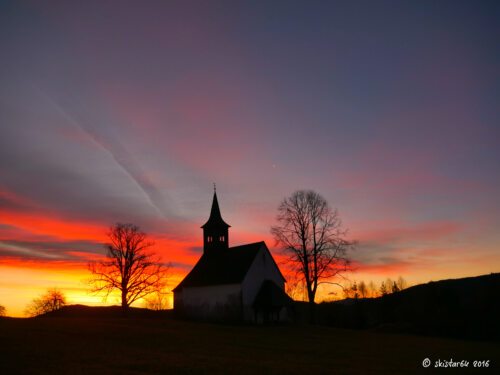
pixel 120 113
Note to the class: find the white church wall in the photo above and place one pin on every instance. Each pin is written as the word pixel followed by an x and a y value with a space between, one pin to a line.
pixel 262 268
pixel 218 301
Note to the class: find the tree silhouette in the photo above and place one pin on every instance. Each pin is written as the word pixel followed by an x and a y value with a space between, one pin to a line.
pixel 159 299
pixel 352 291
pixel 401 283
pixel 311 234
pixel 294 288
pixel 2 310
pixel 372 289
pixel 129 267
pixel 363 290
pixel 388 285
pixel 51 301
pixel 395 287
pixel 383 289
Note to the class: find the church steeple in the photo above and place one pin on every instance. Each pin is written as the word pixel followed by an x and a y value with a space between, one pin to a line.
pixel 215 230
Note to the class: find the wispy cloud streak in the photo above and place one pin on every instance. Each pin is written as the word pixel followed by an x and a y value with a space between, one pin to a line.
pixel 104 135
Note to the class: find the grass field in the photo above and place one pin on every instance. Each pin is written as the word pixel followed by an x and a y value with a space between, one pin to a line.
pixel 166 346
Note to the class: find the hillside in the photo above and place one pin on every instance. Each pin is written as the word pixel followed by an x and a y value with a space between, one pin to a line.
pixel 460 308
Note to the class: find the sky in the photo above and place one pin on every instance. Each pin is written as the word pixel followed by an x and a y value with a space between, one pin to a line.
pixel 129 111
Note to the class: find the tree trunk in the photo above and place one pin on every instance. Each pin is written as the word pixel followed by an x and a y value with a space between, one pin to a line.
pixel 312 307
pixel 124 303
pixel 312 312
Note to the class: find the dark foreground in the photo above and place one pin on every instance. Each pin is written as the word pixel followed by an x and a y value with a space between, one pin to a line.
pixel 166 346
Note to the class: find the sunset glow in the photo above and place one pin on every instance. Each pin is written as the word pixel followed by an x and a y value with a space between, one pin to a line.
pixel 113 113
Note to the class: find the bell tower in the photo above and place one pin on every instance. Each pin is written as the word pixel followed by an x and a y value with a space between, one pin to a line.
pixel 215 230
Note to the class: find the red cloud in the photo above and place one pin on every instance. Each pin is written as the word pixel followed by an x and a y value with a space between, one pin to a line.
pixel 392 268
pixel 51 225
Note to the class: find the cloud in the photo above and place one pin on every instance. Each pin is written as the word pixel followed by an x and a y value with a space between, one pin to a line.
pixel 389 267
pixel 28 237
pixel 20 249
pixel 52 225
pixel 60 250
pixel 421 232
pixel 41 171
pixel 405 248
pixel 10 200
pixel 100 128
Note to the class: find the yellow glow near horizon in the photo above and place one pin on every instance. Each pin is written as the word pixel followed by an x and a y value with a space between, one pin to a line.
pixel 21 282
pixel 20 285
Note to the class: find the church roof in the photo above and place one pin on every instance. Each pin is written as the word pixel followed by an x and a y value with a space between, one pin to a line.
pixel 228 266
pixel 215 219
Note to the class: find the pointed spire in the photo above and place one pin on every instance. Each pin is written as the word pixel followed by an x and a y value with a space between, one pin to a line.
pixel 215 218
pixel 215 211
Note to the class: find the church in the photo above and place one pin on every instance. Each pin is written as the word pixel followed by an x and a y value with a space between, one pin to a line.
pixel 239 283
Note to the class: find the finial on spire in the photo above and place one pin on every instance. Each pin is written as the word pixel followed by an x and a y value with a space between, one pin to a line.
pixel 215 188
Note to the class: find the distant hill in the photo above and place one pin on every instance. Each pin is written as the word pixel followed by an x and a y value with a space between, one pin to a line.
pixel 459 308
pixel 83 311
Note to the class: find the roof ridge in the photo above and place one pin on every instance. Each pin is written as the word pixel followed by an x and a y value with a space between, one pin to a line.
pixel 248 244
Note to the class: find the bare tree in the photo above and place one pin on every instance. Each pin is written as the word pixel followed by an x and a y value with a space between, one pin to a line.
pixel 347 291
pixel 383 289
pixel 129 267
pixel 394 287
pixel 389 285
pixel 159 299
pixel 311 234
pixel 373 292
pixel 2 310
pixel 294 288
pixel 351 291
pixel 355 290
pixel 401 283
pixel 51 301
pixel 363 290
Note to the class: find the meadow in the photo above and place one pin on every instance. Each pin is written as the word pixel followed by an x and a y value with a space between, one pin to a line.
pixel 75 346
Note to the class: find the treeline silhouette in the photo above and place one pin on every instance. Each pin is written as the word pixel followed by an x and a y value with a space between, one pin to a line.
pixel 460 308
pixel 371 290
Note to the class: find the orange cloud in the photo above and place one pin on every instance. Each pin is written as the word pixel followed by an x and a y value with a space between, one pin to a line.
pixel 393 268
pixel 51 225
pixel 57 265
